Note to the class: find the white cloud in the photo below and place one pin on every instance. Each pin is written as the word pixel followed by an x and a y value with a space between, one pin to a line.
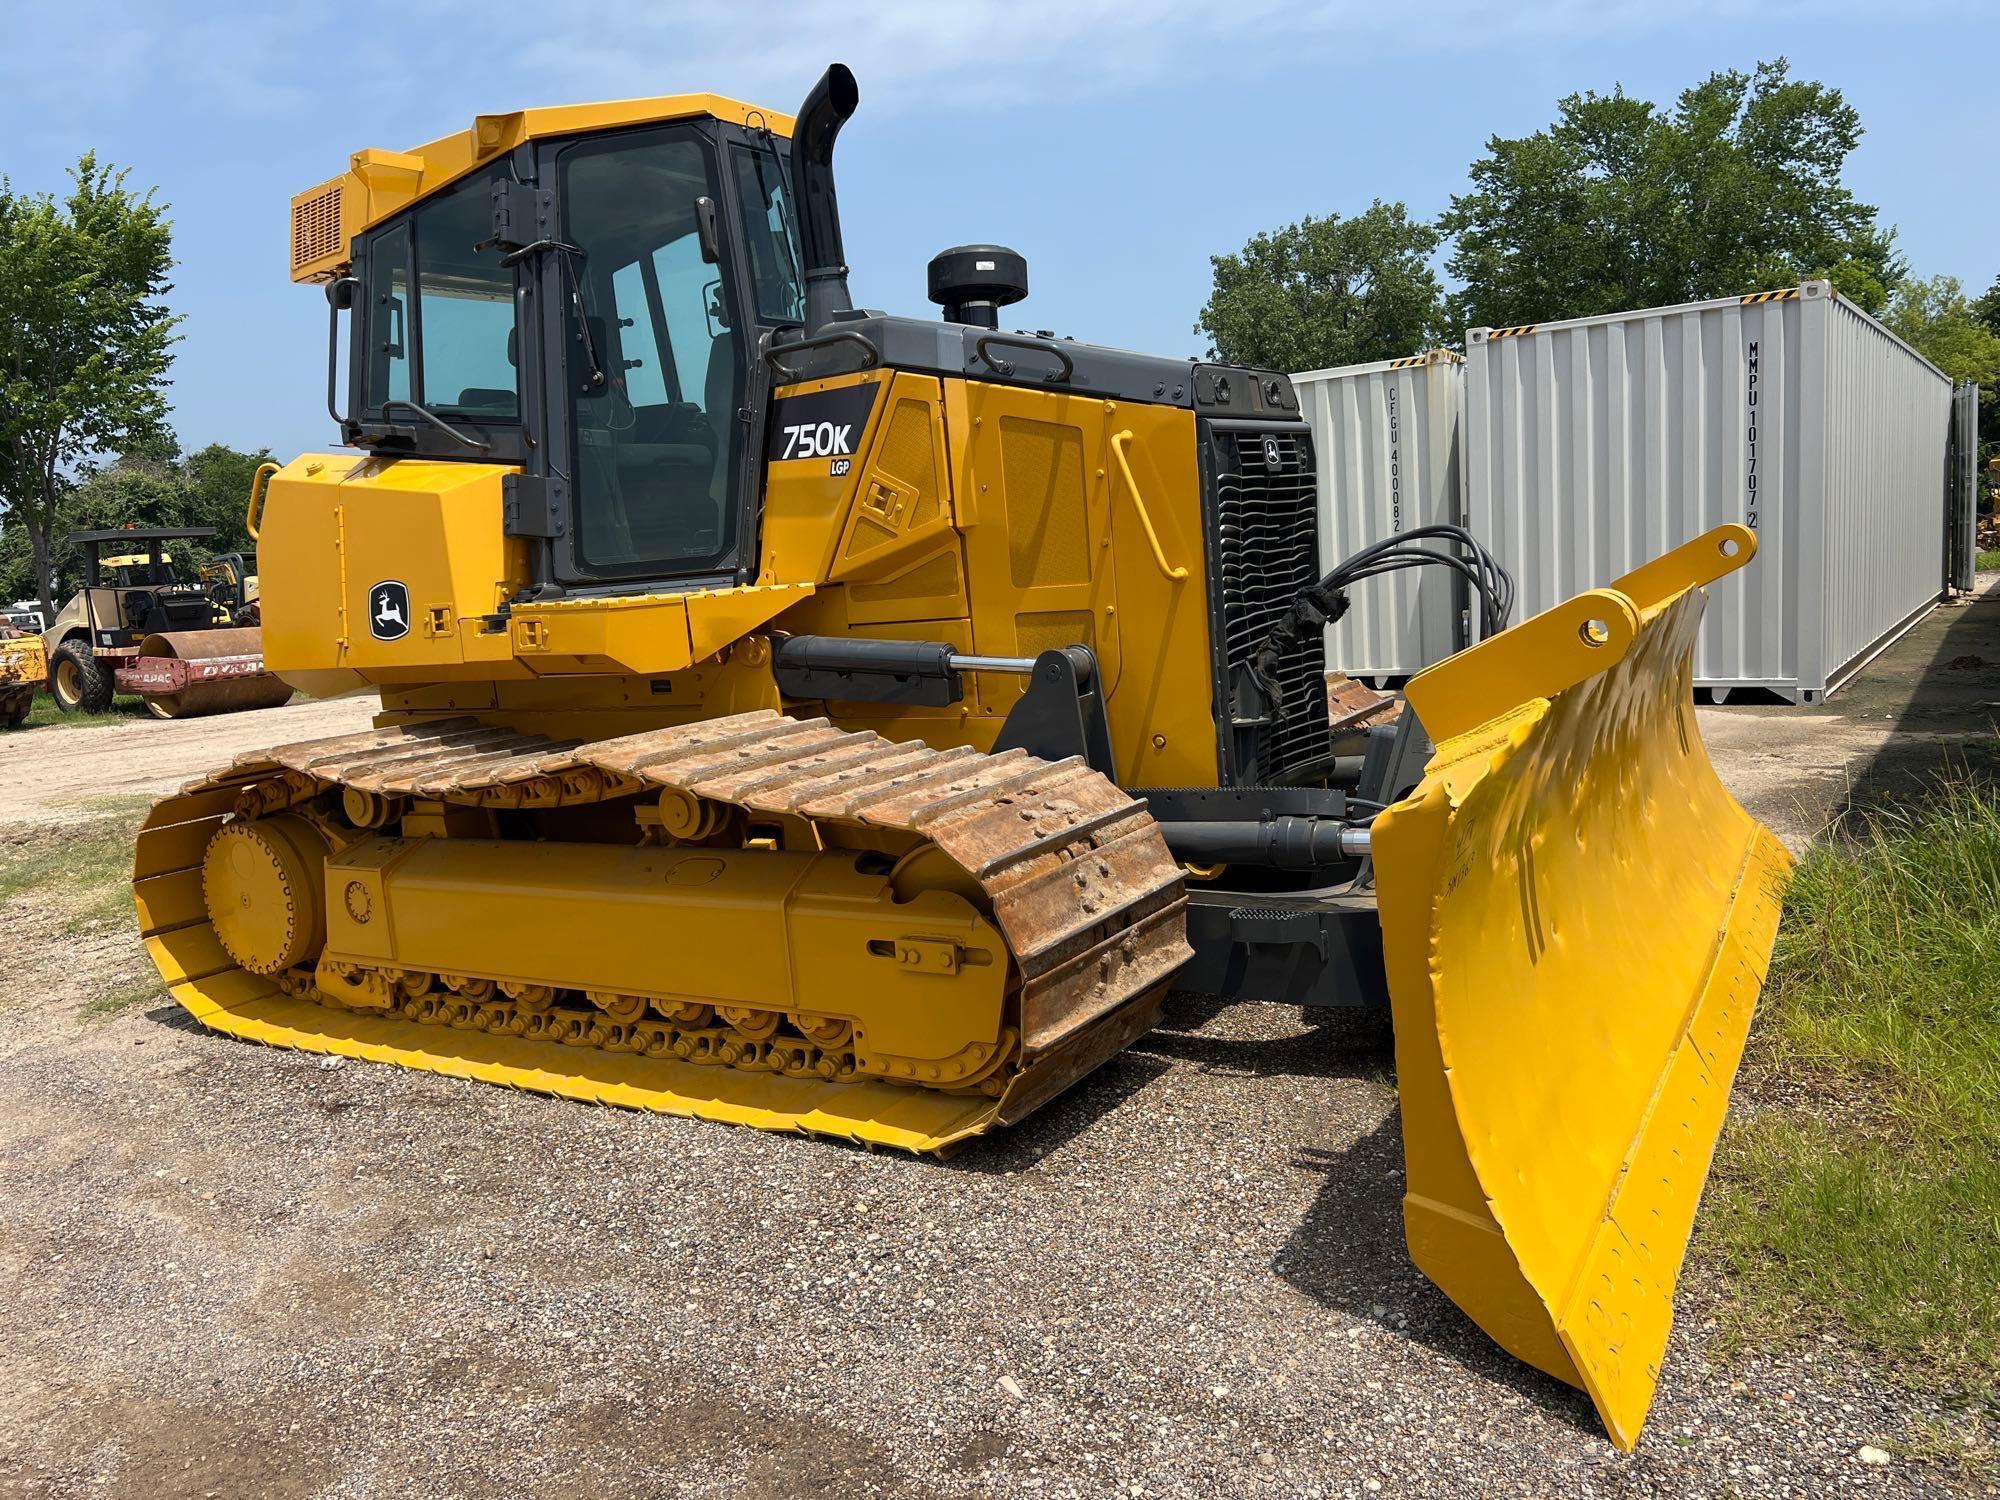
pixel 254 59
pixel 931 54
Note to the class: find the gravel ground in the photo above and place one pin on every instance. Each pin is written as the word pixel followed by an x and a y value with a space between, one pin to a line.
pixel 237 1271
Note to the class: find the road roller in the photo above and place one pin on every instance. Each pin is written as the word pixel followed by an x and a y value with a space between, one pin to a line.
pixel 186 641
pixel 860 725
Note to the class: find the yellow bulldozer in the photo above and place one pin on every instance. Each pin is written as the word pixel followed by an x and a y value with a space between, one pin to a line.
pixel 802 717
pixel 24 665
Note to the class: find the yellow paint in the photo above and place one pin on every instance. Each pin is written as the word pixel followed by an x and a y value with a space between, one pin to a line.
pixel 642 633
pixel 1577 919
pixel 805 503
pixel 715 926
pixel 1052 561
pixel 336 525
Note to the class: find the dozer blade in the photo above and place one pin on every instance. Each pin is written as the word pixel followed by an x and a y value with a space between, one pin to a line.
pixel 1577 919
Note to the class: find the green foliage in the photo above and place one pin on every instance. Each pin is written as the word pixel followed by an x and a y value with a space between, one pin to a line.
pixel 162 487
pixel 1327 292
pixel 1935 316
pixel 1620 205
pixel 1986 307
pixel 1869 1196
pixel 85 341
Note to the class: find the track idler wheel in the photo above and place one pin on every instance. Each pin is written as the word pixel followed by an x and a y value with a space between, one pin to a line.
pixel 265 887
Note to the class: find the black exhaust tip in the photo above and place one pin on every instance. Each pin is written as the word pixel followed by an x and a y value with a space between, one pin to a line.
pixel 829 106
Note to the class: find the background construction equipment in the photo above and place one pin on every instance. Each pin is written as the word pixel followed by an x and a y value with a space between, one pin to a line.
pixel 187 646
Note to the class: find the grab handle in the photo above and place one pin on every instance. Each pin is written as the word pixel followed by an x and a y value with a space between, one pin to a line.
pixel 260 486
pixel 1167 570
pixel 1002 366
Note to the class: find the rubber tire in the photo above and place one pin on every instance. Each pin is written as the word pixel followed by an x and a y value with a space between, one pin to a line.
pixel 94 685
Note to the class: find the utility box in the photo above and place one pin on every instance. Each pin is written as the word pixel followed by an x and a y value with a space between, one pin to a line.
pixel 1385 436
pixel 1593 445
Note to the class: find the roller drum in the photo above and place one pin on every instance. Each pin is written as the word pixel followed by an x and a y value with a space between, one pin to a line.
pixel 223 693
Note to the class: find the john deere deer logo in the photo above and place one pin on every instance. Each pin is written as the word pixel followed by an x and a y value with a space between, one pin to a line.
pixel 389 611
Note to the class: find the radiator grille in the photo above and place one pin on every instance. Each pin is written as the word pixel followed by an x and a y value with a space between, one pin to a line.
pixel 316 226
pixel 1266 538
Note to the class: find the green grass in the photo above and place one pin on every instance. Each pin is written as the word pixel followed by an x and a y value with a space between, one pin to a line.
pixel 1865 1194
pixel 45 714
pixel 1988 561
pixel 125 709
pixel 91 862
pixel 104 1007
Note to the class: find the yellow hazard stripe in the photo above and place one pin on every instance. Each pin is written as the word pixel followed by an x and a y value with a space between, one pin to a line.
pixel 1511 333
pixel 1786 295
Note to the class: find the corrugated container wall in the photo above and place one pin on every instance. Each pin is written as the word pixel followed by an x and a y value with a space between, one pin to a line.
pixel 1386 439
pixel 1962 517
pixel 1596 444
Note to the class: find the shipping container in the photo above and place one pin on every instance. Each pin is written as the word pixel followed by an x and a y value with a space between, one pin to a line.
pixel 1385 436
pixel 1962 515
pixel 1594 444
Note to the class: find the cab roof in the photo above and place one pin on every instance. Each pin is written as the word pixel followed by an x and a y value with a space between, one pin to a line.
pixel 378 183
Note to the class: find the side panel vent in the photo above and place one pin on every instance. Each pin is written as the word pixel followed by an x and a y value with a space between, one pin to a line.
pixel 318 248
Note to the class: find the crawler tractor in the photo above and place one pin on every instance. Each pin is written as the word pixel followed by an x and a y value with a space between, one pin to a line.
pixel 186 643
pixel 808 718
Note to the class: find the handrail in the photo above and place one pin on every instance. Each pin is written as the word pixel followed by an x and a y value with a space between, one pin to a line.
pixel 774 353
pixel 1005 367
pixel 260 488
pixel 1167 570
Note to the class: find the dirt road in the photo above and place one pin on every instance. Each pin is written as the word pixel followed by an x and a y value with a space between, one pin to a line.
pixel 62 774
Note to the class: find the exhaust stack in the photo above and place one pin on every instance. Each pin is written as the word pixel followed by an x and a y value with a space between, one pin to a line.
pixel 827 108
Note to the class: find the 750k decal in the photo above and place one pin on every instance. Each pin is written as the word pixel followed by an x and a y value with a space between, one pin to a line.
pixel 821 424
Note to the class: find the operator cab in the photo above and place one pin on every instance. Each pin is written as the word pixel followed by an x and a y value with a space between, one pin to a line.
pixel 588 308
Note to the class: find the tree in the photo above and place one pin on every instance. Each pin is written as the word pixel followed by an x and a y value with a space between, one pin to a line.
pixel 155 486
pixel 1619 205
pixel 1326 292
pixel 1935 316
pixel 1960 337
pixel 1986 307
pixel 84 340
pixel 1987 310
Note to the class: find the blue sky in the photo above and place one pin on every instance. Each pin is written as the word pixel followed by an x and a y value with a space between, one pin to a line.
pixel 1117 146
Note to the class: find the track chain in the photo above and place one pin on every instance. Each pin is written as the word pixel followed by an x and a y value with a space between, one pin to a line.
pixel 1078 875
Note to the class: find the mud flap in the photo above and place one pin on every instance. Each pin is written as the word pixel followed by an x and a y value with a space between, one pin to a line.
pixel 1577 919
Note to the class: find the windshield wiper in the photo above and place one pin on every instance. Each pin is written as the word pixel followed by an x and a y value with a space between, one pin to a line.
pixel 438 422
pixel 571 254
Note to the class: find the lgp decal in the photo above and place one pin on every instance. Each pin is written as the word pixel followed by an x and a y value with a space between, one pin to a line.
pixel 823 424
pixel 389 610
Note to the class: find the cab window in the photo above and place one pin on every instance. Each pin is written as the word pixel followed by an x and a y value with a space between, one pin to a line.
pixel 770 234
pixel 451 348
pixel 654 365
